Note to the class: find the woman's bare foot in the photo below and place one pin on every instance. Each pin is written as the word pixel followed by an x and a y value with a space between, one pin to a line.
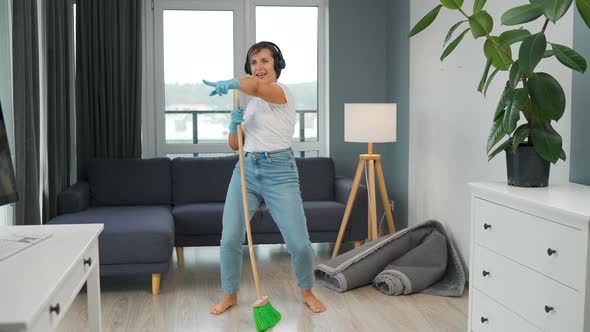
pixel 228 301
pixel 312 302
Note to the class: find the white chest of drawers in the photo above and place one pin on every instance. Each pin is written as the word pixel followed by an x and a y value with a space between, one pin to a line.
pixel 529 258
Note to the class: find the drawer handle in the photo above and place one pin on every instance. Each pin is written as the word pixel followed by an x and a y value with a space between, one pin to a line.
pixel 485 273
pixel 551 251
pixel 54 308
pixel 88 261
pixel 486 226
pixel 548 309
pixel 483 320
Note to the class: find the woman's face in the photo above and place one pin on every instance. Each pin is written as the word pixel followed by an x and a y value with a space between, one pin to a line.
pixel 262 65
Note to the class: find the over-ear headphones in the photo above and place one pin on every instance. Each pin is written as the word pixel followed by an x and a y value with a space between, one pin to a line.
pixel 276 52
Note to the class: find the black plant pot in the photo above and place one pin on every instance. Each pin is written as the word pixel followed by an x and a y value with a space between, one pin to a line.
pixel 526 168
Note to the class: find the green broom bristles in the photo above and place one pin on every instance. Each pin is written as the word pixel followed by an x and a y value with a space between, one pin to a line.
pixel 266 316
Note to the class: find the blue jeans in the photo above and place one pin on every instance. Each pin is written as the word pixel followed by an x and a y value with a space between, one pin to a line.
pixel 271 176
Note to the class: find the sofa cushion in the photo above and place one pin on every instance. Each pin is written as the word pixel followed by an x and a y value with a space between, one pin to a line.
pixel 201 179
pixel 124 182
pixel 322 216
pixel 316 178
pixel 201 218
pixel 198 218
pixel 131 234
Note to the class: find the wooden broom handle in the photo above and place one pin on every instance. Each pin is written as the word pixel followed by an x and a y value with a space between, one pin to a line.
pixel 245 198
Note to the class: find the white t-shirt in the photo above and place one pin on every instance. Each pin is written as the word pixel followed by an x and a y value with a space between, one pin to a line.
pixel 267 126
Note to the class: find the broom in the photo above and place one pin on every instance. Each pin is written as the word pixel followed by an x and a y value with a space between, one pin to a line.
pixel 265 315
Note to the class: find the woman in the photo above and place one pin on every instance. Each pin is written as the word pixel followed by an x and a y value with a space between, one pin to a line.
pixel 271 173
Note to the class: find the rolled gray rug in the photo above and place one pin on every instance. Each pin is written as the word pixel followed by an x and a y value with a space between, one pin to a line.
pixel 420 270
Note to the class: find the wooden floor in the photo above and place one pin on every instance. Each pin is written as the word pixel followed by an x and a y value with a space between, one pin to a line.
pixel 127 303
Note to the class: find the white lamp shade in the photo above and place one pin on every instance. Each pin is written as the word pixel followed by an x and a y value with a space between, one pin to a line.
pixel 375 123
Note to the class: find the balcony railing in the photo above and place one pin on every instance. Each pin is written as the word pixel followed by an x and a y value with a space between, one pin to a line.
pixel 195 117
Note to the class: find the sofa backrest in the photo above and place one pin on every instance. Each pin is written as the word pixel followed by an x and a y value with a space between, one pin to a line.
pixel 316 178
pixel 205 179
pixel 116 182
pixel 201 179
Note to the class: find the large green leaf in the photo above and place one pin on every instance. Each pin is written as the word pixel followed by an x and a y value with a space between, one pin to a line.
pixel 452 4
pixel 507 95
pixel 522 14
pixel 546 140
pixel 562 155
pixel 481 24
pixel 538 113
pixel 490 79
pixel 500 59
pixel 548 54
pixel 484 76
pixel 425 21
pixel 499 149
pixel 514 40
pixel 519 136
pixel 512 114
pixel 554 9
pixel 569 57
pixel 452 30
pixel 453 45
pixel 514 75
pixel 478 5
pixel 548 94
pixel 510 35
pixel 584 10
pixel 496 134
pixel 531 52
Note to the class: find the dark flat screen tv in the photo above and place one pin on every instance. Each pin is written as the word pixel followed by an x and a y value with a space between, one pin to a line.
pixel 8 192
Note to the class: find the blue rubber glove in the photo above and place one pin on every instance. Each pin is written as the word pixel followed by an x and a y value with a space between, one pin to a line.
pixel 222 87
pixel 237 116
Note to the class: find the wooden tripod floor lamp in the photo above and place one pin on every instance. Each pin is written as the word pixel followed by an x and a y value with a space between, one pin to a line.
pixel 368 123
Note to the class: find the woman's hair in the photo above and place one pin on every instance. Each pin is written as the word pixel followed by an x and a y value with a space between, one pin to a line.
pixel 274 50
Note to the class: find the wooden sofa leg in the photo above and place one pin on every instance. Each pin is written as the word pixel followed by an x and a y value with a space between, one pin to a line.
pixel 357 244
pixel 155 284
pixel 180 257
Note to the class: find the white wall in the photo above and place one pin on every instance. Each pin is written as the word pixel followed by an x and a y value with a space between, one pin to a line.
pixel 450 120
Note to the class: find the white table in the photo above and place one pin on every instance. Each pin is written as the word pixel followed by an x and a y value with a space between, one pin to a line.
pixel 38 284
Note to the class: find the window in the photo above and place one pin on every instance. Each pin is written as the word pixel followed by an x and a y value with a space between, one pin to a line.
pixel 191 116
pixel 203 39
pixel 276 24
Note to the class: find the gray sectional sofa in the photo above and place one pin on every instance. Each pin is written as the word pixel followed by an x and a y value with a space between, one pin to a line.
pixel 149 206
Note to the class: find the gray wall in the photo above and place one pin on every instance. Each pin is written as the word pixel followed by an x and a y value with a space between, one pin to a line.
pixel 369 63
pixel 580 149
pixel 396 156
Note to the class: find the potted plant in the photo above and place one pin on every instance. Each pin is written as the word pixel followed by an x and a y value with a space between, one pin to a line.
pixel 536 96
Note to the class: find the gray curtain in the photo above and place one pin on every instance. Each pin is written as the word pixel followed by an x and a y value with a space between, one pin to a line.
pixel 108 80
pixel 58 15
pixel 26 110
